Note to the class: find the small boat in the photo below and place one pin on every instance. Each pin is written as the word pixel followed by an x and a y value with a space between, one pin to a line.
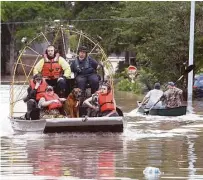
pixel 58 125
pixel 177 111
pixel 23 68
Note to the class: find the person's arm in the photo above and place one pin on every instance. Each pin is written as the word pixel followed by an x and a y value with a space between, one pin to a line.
pixel 180 91
pixel 146 98
pixel 65 66
pixel 99 66
pixel 62 99
pixel 114 101
pixel 72 66
pixel 94 63
pixel 38 67
pixel 31 93
pixel 44 103
pixel 144 101
pixel 87 102
pixel 162 97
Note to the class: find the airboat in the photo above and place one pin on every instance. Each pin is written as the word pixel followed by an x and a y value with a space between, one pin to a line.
pixel 67 40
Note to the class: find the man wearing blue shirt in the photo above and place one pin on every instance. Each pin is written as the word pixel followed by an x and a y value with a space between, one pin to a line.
pixel 84 68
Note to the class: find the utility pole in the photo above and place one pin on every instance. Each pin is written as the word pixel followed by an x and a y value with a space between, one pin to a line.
pixel 191 52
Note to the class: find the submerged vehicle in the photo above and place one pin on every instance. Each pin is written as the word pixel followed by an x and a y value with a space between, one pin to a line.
pixel 67 41
pixel 198 86
pixel 177 111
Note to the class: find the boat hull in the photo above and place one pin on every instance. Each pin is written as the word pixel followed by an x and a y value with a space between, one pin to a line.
pixel 28 126
pixel 91 124
pixel 177 111
pixel 58 125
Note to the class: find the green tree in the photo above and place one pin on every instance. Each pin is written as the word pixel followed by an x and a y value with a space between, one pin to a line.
pixel 158 32
pixel 100 18
pixel 26 18
pixel 160 35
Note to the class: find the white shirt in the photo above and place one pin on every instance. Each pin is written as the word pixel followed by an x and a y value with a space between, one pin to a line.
pixel 154 95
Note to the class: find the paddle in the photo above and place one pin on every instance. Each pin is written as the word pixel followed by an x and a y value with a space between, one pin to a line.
pixel 120 113
pixel 147 112
pixel 187 70
pixel 141 104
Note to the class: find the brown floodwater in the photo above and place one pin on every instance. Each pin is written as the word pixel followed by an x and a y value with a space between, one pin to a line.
pixel 172 144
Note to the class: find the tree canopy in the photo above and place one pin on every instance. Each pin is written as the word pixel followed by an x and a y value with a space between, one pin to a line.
pixel 157 32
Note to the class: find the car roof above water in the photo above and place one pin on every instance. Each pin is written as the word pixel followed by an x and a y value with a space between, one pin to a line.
pixel 199 76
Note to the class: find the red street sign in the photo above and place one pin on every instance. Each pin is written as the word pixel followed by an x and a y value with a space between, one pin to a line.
pixel 132 68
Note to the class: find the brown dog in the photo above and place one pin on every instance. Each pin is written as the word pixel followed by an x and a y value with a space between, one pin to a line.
pixel 71 105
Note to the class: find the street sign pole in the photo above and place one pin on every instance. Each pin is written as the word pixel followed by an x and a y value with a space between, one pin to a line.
pixel 191 52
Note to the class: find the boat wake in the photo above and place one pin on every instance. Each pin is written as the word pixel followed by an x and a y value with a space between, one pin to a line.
pixel 155 127
pixel 5 127
pixel 188 116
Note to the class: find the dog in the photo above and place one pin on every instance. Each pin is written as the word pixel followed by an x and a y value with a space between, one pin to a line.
pixel 71 105
pixel 95 102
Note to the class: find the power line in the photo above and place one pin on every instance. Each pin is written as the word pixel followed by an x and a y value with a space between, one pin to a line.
pixel 63 21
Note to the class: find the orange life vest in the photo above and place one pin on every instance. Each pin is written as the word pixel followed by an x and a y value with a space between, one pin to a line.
pixel 40 90
pixel 106 102
pixel 53 97
pixel 51 68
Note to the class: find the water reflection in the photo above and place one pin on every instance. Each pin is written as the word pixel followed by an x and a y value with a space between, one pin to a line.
pixel 191 158
pixel 62 155
pixel 106 164
pixel 106 156
pixel 172 144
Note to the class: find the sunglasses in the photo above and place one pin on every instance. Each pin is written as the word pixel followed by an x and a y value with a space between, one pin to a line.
pixel 49 90
pixel 38 79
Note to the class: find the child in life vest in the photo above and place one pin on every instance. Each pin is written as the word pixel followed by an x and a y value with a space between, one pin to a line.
pixel 106 101
pixel 50 103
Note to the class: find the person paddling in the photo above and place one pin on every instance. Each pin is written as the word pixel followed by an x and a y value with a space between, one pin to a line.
pixel 173 96
pixel 153 96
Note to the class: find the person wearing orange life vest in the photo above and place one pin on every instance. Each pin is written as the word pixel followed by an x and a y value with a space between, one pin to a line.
pixel 50 103
pixel 106 101
pixel 35 91
pixel 55 69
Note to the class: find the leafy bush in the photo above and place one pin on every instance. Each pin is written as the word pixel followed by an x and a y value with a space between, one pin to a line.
pixel 126 85
pixel 122 74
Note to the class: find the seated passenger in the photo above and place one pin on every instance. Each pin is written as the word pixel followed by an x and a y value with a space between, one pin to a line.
pixel 153 96
pixel 35 91
pixel 173 97
pixel 84 68
pixel 50 103
pixel 106 101
pixel 55 69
